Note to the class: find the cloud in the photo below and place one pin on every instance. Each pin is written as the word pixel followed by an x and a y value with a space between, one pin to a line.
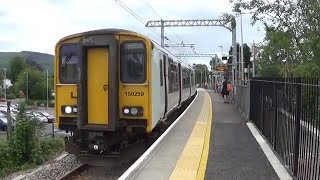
pixel 37 25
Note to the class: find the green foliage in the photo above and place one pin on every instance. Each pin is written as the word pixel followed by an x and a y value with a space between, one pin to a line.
pixel 37 102
pixel 36 84
pixel 17 65
pixel 11 96
pixel 201 69
pixel 214 61
pixel 51 104
pixel 246 54
pixel 292 34
pixel 26 148
pixel 307 70
pixel 26 137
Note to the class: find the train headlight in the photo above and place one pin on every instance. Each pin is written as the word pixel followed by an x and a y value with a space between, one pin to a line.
pixel 68 109
pixel 134 111
pixel 126 111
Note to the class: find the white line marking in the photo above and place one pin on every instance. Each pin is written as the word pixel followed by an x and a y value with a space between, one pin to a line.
pixel 61 156
pixel 19 177
pixel 274 161
pixel 136 164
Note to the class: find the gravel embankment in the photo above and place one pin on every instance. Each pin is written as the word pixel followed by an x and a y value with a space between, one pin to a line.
pixel 54 170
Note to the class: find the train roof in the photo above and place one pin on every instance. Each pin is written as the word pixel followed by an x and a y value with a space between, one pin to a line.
pixel 111 31
pixel 114 31
pixel 170 54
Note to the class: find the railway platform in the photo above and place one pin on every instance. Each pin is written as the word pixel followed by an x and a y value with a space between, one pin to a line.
pixel 210 140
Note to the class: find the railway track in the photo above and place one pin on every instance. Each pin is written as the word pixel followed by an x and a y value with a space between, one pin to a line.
pixel 73 174
pixel 115 170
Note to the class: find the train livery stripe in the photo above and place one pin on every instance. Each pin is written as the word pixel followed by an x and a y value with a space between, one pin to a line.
pixel 192 164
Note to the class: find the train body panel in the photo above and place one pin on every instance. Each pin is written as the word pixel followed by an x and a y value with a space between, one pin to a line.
pixel 65 86
pixel 158 87
pixel 135 86
pixel 115 84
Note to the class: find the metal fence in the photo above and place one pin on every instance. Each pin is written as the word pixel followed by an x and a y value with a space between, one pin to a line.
pixel 241 97
pixel 286 111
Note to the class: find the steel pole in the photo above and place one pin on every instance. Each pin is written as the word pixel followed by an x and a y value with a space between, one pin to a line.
pixel 27 86
pixel 242 63
pixel 4 84
pixel 234 57
pixel 162 33
pixel 254 60
pixel 47 88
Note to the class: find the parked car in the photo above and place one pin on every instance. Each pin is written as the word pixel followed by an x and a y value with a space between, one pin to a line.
pixel 4 106
pixel 48 116
pixel 3 123
pixel 40 117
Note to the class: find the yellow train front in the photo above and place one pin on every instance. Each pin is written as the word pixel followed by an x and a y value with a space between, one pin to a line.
pixel 112 86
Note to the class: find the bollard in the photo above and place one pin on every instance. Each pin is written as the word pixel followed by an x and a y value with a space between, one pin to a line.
pixel 9 121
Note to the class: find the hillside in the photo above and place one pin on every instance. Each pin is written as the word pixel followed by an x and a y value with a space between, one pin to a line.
pixel 44 60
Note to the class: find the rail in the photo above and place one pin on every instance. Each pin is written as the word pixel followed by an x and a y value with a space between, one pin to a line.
pixel 74 172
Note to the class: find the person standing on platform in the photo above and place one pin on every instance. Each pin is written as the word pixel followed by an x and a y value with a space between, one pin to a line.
pixel 225 90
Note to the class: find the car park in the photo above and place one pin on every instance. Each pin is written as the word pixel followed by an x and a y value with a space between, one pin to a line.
pixel 49 117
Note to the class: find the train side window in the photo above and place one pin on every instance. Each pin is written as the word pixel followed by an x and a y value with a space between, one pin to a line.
pixel 69 63
pixel 161 73
pixel 133 62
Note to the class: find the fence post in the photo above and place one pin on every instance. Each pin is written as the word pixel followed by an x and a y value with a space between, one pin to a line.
pixel 251 109
pixel 275 105
pixel 297 127
pixel 9 124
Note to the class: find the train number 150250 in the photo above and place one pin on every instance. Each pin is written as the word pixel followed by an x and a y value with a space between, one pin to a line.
pixel 134 93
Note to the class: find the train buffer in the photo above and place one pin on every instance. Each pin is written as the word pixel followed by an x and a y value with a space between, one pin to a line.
pixel 210 140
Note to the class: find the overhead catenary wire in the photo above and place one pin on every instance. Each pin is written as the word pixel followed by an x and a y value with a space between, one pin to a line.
pixel 124 6
pixel 157 14
pixel 140 19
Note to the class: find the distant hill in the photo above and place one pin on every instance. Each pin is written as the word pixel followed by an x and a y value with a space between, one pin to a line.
pixel 44 60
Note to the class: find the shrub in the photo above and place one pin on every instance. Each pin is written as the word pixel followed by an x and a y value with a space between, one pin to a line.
pixel 51 104
pixel 11 96
pixel 26 148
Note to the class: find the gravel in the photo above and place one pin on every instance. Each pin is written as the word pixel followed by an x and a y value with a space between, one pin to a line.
pixel 53 170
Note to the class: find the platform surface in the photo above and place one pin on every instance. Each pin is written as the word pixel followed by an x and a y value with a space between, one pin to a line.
pixel 210 141
pixel 234 153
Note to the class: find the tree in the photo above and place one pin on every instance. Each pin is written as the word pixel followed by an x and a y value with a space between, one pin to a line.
pixel 33 64
pixel 294 26
pixel 16 66
pixel 246 54
pixel 201 69
pixel 36 84
pixel 214 61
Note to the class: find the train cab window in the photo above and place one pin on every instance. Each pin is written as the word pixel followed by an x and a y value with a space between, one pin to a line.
pixel 133 62
pixel 69 63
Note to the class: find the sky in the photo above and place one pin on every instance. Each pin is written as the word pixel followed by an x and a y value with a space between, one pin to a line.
pixel 36 25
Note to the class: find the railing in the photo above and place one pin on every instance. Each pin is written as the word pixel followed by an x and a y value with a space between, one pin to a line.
pixel 286 111
pixel 241 97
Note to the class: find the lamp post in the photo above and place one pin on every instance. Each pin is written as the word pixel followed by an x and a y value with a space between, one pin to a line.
pixel 27 85
pixel 47 88
pixel 221 52
pixel 242 64
pixel 4 84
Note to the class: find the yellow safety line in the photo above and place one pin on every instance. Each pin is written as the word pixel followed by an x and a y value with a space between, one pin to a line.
pixel 205 152
pixel 193 160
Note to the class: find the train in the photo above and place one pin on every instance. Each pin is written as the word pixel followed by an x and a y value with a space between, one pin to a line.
pixel 113 85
